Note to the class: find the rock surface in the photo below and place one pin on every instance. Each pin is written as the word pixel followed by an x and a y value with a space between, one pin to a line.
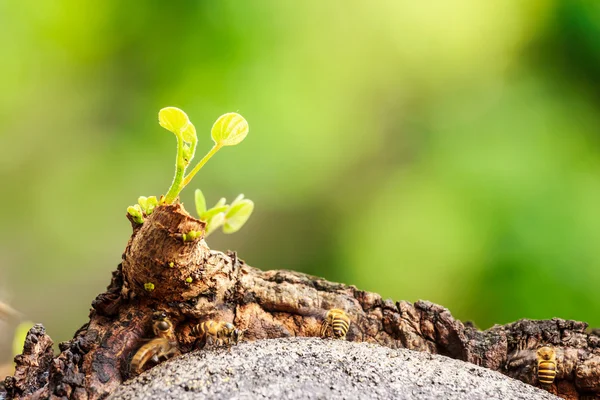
pixel 313 368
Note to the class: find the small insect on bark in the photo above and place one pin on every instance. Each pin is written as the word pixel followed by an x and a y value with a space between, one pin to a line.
pixel 336 324
pixel 218 332
pixel 163 346
pixel 546 365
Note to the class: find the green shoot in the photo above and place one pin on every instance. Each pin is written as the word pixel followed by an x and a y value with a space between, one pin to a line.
pixel 136 213
pixel 149 286
pixel 229 130
pixel 148 204
pixel 231 217
pixel 175 120
pixel 145 207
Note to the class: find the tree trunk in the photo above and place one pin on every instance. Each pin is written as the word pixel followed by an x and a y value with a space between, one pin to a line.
pixel 192 283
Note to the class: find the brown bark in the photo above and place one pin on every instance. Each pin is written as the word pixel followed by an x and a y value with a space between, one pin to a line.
pixel 270 304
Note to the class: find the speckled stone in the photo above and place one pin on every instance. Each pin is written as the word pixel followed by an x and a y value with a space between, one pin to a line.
pixel 313 368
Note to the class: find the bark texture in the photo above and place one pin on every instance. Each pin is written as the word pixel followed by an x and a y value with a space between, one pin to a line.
pixel 193 283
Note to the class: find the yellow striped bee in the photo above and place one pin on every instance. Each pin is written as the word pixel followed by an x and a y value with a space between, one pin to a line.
pixel 162 327
pixel 153 351
pixel 336 324
pixel 546 365
pixel 163 346
pixel 219 332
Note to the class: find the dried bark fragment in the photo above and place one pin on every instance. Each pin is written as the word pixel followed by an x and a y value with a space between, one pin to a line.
pixel 32 366
pixel 271 304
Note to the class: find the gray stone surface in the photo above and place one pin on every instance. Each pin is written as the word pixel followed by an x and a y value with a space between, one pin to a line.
pixel 313 368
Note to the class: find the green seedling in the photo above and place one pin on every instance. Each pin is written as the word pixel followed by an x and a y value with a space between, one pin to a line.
pixel 189 279
pixel 229 129
pixel 149 286
pixel 231 217
pixel 144 207
pixel 171 264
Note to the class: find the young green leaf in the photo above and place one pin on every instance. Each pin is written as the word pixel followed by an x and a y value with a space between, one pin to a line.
pixel 207 215
pixel 215 223
pixel 143 202
pixel 175 120
pixel 200 202
pixel 237 215
pixel 149 286
pixel 151 204
pixel 136 213
pixel 229 129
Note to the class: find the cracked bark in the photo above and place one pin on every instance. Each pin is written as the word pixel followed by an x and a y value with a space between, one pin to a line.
pixel 271 304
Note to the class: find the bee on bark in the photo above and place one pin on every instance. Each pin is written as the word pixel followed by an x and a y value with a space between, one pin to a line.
pixel 155 350
pixel 162 327
pixel 218 332
pixel 546 365
pixel 336 324
pixel 163 346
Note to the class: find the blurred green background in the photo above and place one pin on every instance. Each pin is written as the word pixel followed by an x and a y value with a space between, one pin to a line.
pixel 444 150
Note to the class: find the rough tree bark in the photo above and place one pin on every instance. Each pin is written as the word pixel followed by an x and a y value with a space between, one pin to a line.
pixel 270 304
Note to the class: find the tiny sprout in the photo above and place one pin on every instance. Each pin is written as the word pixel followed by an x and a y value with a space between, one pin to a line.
pixel 171 264
pixel 230 217
pixel 149 286
pixel 175 120
pixel 191 235
pixel 228 130
pixel 136 213
pixel 148 204
pixel 189 279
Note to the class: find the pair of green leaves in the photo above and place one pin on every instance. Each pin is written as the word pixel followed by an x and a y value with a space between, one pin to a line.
pixel 229 130
pixel 145 207
pixel 229 216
